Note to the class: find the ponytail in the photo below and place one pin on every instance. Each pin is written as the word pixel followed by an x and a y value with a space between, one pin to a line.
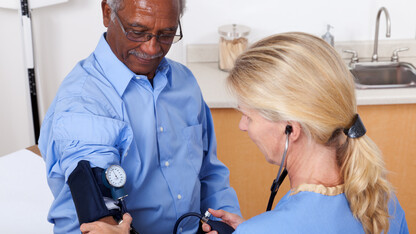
pixel 366 187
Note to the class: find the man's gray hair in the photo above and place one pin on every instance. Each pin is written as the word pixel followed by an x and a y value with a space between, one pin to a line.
pixel 115 5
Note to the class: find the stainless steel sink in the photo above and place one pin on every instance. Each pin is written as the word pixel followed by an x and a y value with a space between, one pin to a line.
pixel 381 75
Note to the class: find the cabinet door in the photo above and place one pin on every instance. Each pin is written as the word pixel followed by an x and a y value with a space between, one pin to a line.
pixel 393 129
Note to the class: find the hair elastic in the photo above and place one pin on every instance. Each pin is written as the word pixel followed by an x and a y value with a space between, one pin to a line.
pixel 357 129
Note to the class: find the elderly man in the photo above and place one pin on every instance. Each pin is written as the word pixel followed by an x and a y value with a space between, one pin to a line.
pixel 128 105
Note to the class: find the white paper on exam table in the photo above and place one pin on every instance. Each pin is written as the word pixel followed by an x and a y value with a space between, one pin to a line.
pixel 25 197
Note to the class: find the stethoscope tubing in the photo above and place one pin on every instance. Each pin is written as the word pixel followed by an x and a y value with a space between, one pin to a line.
pixel 280 176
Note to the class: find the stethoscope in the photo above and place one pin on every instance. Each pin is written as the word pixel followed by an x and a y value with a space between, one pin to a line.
pixel 280 175
pixel 223 228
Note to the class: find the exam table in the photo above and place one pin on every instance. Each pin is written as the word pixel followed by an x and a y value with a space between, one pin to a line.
pixel 25 197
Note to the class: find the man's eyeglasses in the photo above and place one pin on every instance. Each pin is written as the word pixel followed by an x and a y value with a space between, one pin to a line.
pixel 138 36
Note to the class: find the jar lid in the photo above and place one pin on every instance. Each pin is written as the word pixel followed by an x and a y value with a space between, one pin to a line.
pixel 234 30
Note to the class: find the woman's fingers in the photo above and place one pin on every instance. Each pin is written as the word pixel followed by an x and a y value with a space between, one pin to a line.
pixel 126 221
pixel 229 218
pixel 90 227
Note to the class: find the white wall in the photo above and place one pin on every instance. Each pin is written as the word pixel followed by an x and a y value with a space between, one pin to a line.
pixel 66 33
pixel 352 19
pixel 63 34
pixel 15 124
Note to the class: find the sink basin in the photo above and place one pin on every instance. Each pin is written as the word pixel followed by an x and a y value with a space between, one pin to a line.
pixel 381 75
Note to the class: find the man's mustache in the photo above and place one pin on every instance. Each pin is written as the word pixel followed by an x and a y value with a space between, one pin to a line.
pixel 144 55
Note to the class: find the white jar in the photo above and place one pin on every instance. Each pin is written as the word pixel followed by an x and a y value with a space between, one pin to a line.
pixel 233 41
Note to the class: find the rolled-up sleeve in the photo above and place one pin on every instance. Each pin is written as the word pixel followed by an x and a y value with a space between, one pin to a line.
pixel 86 130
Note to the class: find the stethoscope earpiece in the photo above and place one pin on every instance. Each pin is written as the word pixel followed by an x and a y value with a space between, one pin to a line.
pixel 288 130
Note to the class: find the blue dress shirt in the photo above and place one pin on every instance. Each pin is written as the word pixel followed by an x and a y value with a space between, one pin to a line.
pixel 310 212
pixel 162 136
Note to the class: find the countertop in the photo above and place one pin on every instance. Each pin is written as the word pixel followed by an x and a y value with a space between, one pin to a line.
pixel 202 60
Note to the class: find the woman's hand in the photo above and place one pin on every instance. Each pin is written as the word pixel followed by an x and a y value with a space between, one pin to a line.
pixel 105 228
pixel 229 218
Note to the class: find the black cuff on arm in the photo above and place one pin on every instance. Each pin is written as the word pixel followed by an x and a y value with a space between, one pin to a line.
pixel 87 192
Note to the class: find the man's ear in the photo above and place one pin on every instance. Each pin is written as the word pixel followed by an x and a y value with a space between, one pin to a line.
pixel 106 13
pixel 296 130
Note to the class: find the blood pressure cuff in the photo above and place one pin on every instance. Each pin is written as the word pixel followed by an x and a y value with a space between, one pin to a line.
pixel 87 191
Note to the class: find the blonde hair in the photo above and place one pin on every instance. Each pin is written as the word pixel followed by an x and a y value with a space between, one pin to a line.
pixel 299 77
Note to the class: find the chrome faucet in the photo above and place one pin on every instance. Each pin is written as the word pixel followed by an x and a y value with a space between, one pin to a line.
pixel 388 30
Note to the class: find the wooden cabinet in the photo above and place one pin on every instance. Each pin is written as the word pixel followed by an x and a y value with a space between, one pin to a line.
pixel 392 127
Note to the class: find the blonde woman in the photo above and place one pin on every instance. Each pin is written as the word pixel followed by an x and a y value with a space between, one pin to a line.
pixel 337 174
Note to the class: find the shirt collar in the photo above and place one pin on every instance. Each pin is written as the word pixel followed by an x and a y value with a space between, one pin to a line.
pixel 319 188
pixel 116 72
pixel 163 70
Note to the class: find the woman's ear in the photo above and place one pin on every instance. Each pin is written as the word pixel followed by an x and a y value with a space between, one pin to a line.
pixel 296 130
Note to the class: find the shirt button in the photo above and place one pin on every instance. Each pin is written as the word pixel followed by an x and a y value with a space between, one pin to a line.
pixel 179 196
pixel 161 129
pixel 166 163
pixel 180 230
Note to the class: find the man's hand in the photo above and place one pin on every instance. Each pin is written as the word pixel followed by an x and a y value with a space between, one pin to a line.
pixel 103 227
pixel 231 219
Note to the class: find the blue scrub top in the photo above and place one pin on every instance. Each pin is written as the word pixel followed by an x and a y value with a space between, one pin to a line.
pixel 314 212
